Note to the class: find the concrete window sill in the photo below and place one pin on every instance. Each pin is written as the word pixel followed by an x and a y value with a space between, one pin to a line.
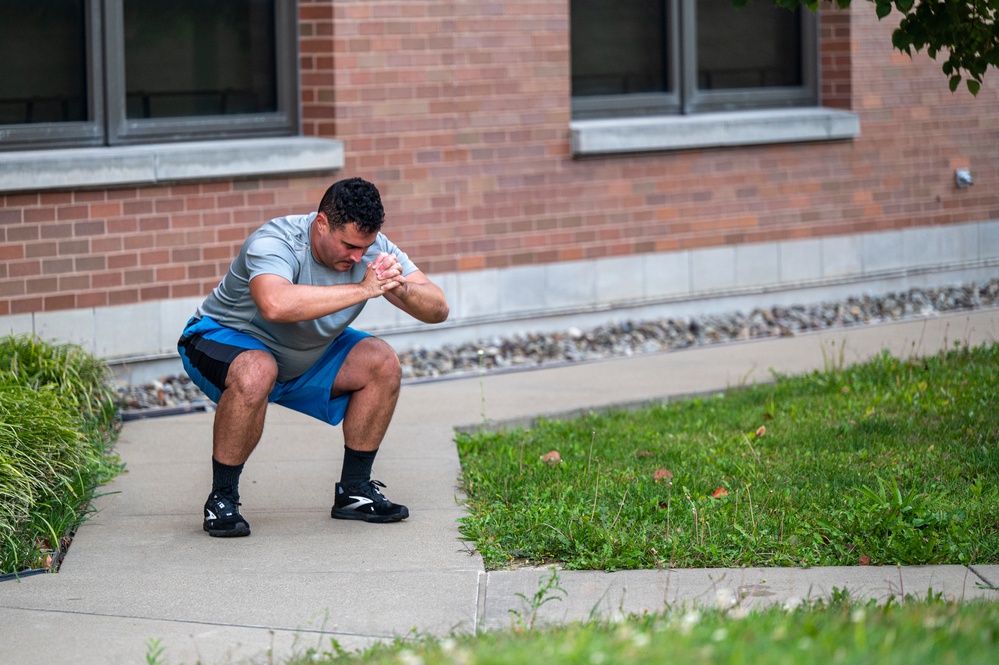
pixel 162 163
pixel 711 130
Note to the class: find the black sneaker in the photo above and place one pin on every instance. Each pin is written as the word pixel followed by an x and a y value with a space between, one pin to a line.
pixel 222 518
pixel 366 502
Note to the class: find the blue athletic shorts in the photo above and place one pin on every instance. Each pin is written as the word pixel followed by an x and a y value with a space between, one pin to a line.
pixel 207 349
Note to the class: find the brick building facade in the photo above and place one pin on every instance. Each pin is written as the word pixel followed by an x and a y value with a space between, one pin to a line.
pixel 461 113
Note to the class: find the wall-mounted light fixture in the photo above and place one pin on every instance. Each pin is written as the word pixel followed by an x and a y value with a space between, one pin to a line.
pixel 963 178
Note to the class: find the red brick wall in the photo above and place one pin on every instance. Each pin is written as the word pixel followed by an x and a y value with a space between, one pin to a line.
pixel 70 250
pixel 915 134
pixel 835 61
pixel 459 111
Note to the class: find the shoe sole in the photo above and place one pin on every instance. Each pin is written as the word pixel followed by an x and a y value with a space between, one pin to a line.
pixel 376 519
pixel 237 531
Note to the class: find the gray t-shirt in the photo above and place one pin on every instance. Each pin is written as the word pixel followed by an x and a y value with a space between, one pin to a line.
pixel 283 247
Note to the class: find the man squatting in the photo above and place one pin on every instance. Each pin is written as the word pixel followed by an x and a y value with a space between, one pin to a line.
pixel 276 329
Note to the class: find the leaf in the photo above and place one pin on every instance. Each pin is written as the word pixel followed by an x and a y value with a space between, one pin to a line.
pixel 883 8
pixel 719 492
pixel 901 42
pixel 954 81
pixel 864 560
pixel 552 458
pixel 904 5
pixel 974 87
pixel 663 474
pixel 761 431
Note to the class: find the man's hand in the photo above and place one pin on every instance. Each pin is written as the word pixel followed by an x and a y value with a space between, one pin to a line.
pixel 386 271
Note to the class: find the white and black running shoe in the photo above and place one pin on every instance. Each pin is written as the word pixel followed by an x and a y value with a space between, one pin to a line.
pixel 222 518
pixel 366 502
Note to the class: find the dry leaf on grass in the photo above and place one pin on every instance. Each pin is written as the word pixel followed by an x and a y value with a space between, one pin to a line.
pixel 552 458
pixel 661 475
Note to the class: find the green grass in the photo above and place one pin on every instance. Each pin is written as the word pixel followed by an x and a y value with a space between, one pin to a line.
pixel 910 633
pixel 895 461
pixel 57 427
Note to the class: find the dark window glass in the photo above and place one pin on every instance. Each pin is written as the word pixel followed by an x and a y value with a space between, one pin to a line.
pixel 43 61
pixel 618 47
pixel 199 58
pixel 755 46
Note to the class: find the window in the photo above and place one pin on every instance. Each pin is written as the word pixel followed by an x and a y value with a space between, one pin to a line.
pixel 654 57
pixel 116 72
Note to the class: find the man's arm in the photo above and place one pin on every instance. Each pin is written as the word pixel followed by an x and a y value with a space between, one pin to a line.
pixel 280 301
pixel 419 297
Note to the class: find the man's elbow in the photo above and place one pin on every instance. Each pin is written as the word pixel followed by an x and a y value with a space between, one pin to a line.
pixel 271 296
pixel 440 314
pixel 272 312
pixel 436 312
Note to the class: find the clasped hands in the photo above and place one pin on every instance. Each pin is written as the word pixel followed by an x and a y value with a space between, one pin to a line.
pixel 386 271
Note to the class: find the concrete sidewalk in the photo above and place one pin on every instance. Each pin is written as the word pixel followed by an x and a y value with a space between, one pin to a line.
pixel 142 568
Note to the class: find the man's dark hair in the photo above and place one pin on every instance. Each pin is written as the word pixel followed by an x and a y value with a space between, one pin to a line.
pixel 353 201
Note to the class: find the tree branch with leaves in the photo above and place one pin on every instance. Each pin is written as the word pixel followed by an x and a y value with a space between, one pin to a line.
pixel 963 30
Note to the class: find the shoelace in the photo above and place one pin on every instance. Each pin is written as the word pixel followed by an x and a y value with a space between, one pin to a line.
pixel 375 492
pixel 217 496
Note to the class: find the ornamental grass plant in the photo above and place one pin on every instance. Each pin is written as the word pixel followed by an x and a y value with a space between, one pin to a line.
pixel 893 461
pixel 57 429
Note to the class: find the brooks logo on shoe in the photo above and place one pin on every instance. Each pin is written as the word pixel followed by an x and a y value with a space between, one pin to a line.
pixel 359 502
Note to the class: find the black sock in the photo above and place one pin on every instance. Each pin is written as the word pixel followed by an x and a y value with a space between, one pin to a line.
pixel 225 479
pixel 356 467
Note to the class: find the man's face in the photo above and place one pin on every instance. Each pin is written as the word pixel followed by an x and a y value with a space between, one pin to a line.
pixel 340 249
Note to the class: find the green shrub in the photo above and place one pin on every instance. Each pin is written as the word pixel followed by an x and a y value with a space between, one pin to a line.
pixel 85 382
pixel 57 427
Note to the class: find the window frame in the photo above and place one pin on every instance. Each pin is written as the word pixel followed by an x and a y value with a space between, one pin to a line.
pixel 646 103
pixel 76 133
pixel 282 122
pixel 106 103
pixel 685 98
pixel 701 101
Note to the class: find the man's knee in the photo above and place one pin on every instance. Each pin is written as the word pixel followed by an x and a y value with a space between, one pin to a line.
pixel 371 362
pixel 252 374
pixel 384 360
pixel 379 360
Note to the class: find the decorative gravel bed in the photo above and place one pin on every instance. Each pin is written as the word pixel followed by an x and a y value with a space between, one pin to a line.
pixel 175 394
